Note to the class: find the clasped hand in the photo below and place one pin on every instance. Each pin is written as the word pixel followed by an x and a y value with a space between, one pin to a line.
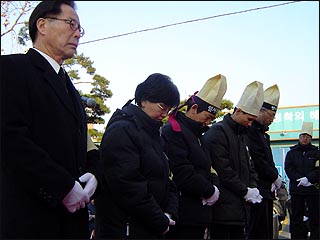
pixel 276 184
pixel 303 182
pixel 253 195
pixel 91 183
pixel 171 222
pixel 76 198
pixel 213 199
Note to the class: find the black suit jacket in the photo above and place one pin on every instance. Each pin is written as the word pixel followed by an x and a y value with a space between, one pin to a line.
pixel 43 150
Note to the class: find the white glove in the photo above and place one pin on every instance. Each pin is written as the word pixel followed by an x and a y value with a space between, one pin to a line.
pixel 303 182
pixel 76 198
pixel 171 222
pixel 276 184
pixel 213 199
pixel 253 195
pixel 91 183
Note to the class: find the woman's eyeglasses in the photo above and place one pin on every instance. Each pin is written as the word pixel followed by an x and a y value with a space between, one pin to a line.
pixel 163 108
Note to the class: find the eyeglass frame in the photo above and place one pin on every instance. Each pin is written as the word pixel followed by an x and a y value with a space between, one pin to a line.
pixel 166 110
pixel 269 114
pixel 71 23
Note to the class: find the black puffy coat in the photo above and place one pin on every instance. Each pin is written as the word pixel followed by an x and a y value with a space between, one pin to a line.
pixel 302 161
pixel 190 164
pixel 227 144
pixel 137 188
pixel 261 154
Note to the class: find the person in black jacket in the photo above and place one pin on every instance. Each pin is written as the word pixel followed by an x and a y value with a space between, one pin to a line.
pixel 47 175
pixel 230 158
pixel 302 167
pixel 261 221
pixel 138 199
pixel 190 161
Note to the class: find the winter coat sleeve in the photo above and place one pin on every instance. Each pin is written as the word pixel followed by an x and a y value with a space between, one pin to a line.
pixel 262 157
pixel 173 201
pixel 185 175
pixel 223 161
pixel 314 175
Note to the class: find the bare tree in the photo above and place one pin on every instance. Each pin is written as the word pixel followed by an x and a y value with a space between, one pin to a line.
pixel 13 15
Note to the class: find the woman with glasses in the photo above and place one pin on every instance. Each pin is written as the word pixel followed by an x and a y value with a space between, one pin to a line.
pixel 138 199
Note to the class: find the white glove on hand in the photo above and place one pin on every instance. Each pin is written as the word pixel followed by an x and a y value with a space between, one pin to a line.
pixel 276 184
pixel 171 222
pixel 213 199
pixel 303 182
pixel 91 183
pixel 76 198
pixel 253 195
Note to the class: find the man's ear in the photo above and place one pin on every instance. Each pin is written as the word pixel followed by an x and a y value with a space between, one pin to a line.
pixel 238 110
pixel 194 108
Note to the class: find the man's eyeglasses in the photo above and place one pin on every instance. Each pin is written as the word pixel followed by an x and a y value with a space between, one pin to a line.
pixel 271 115
pixel 72 23
pixel 163 108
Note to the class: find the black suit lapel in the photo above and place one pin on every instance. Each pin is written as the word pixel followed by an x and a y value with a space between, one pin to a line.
pixel 73 93
pixel 53 79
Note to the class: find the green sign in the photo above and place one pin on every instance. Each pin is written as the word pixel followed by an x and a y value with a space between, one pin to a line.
pixel 288 122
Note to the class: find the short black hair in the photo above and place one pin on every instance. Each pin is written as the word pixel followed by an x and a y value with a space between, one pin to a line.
pixel 158 88
pixel 43 9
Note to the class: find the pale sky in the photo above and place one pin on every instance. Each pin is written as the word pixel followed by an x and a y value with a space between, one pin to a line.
pixel 278 45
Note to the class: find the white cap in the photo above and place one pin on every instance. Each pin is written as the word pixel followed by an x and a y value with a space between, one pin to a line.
pixel 212 93
pixel 252 98
pixel 307 128
pixel 271 98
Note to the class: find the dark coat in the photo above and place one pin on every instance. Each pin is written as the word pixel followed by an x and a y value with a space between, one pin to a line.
pixel 137 188
pixel 43 150
pixel 190 164
pixel 303 161
pixel 261 154
pixel 226 142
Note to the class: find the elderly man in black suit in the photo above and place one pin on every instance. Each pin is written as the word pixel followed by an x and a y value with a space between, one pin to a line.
pixel 46 175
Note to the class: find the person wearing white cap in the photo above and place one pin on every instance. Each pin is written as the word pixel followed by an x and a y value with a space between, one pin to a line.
pixel 261 221
pixel 230 158
pixel 302 167
pixel 190 161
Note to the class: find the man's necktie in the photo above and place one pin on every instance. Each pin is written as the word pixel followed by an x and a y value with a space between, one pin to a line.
pixel 63 78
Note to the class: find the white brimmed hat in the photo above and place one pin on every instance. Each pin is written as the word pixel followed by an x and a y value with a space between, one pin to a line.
pixel 271 98
pixel 252 98
pixel 212 93
pixel 307 128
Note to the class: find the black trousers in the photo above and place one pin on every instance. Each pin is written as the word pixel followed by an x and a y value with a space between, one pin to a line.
pixel 261 220
pixel 304 205
pixel 186 232
pixel 221 231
